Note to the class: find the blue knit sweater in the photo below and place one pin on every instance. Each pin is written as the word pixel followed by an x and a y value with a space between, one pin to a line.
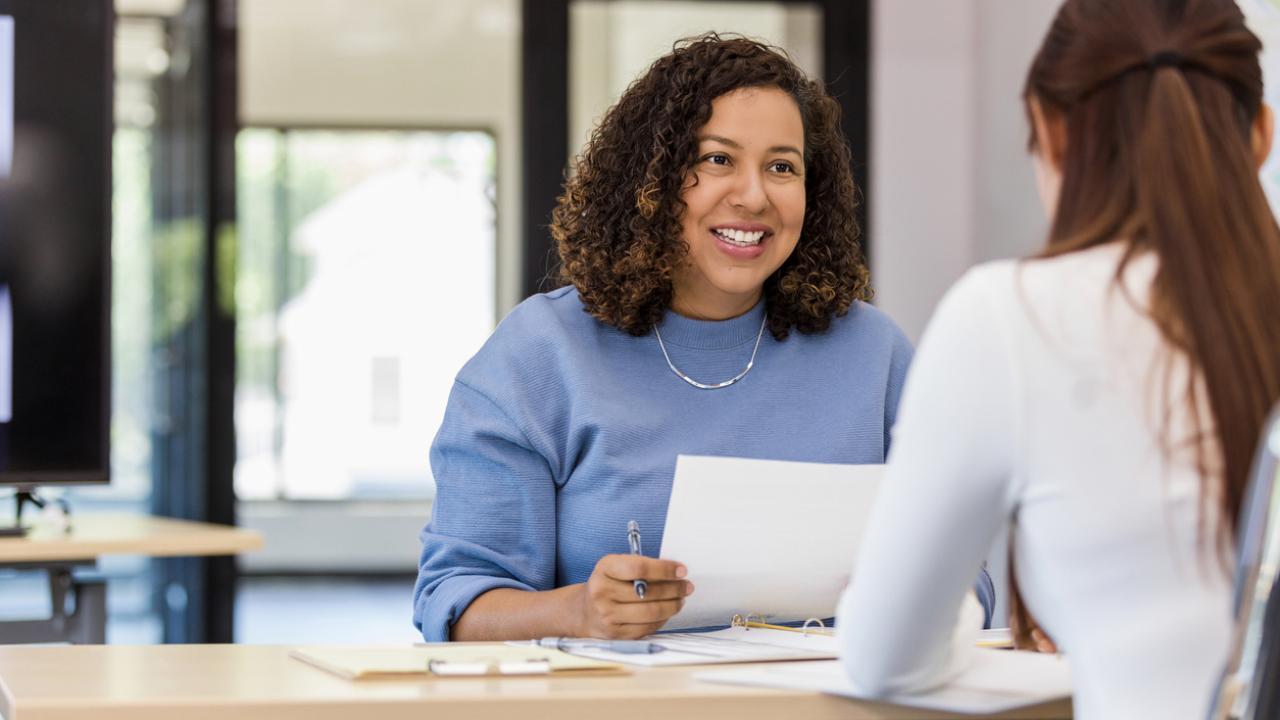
pixel 561 429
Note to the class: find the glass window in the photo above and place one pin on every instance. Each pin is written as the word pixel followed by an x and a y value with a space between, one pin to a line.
pixel 366 279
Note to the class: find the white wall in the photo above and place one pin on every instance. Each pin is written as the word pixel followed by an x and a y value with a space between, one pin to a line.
pixel 393 63
pixel 923 135
pixel 1011 221
pixel 1264 20
pixel 951 182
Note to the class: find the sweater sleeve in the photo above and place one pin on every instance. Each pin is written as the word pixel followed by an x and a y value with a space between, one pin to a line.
pixel 945 496
pixel 493 522
pixel 899 362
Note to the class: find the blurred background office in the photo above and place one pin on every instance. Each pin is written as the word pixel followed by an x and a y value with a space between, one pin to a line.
pixel 321 208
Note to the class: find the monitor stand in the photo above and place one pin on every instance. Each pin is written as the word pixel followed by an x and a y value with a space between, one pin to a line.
pixel 22 497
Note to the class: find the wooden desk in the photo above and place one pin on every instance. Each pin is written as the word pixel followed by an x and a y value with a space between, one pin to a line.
pixel 92 536
pixel 255 682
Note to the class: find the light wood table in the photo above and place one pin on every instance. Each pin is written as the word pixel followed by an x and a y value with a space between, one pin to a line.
pixel 256 682
pixel 92 536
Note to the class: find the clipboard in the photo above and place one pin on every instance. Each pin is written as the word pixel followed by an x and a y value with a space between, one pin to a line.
pixel 449 660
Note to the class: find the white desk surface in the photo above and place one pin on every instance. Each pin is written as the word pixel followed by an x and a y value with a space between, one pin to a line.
pixel 92 536
pixel 256 682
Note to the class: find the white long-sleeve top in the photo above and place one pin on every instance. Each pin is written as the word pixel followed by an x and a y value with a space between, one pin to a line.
pixel 1036 398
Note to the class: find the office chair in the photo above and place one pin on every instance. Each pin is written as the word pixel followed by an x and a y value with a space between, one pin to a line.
pixel 1250 684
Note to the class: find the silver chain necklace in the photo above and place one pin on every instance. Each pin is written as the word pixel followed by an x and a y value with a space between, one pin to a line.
pixel 719 385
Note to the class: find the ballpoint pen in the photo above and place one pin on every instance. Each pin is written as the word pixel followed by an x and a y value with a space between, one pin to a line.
pixel 633 539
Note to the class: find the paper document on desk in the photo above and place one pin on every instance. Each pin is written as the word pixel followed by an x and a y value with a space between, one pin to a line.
pixel 746 645
pixel 765 537
pixel 996 681
pixel 447 659
pixel 730 645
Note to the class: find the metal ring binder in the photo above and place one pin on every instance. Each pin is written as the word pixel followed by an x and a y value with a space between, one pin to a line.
pixel 753 620
pixel 804 629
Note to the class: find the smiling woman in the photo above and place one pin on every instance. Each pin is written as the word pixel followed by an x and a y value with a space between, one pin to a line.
pixel 719 131
pixel 713 203
pixel 744 206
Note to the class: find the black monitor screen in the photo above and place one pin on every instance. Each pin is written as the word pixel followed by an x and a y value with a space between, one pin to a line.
pixel 55 190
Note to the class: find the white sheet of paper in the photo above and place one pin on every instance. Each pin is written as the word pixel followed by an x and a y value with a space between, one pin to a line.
pixel 730 645
pixel 996 681
pixel 746 645
pixel 765 537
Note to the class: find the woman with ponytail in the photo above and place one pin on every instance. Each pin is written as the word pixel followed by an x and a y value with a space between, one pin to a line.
pixel 1114 386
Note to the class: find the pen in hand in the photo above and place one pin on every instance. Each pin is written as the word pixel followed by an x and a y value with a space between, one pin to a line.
pixel 633 539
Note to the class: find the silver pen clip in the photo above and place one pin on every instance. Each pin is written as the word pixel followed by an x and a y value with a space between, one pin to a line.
pixel 633 539
pixel 633 536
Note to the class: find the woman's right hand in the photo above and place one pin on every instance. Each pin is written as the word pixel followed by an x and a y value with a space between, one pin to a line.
pixel 610 607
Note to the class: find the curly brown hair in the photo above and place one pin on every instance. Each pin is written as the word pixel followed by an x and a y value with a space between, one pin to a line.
pixel 617 225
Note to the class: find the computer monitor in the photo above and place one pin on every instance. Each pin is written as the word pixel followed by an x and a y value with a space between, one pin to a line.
pixel 55 241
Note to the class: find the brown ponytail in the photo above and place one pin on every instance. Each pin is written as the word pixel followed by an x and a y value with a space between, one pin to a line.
pixel 1159 98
